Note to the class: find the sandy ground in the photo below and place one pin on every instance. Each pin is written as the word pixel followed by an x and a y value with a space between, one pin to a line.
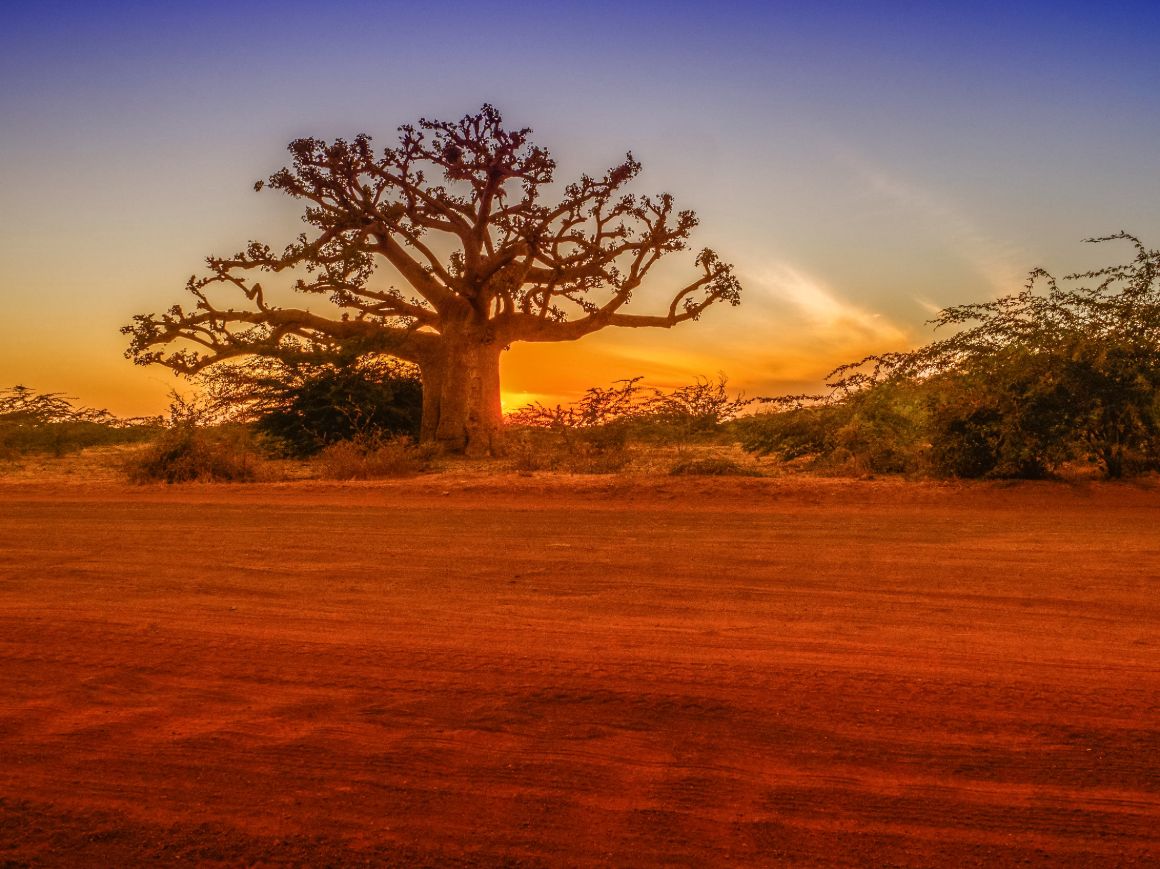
pixel 579 671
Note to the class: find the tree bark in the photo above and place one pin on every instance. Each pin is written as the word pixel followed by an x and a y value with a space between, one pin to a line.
pixel 461 396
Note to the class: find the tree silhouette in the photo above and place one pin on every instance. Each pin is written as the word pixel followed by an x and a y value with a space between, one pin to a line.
pixel 453 213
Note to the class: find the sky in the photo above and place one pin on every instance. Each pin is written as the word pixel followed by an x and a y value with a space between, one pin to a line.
pixel 861 164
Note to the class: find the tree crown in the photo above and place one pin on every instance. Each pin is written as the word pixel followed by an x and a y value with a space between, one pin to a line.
pixel 454 210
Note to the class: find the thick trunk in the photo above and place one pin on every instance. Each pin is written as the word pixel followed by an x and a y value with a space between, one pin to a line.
pixel 461 405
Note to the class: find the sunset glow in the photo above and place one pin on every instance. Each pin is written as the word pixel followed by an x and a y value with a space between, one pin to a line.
pixel 861 165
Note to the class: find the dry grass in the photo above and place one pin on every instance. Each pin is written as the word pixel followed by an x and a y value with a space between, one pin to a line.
pixel 107 464
pixel 371 459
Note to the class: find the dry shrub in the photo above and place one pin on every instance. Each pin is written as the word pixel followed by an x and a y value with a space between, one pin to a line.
pixel 599 450
pixel 188 453
pixel 370 458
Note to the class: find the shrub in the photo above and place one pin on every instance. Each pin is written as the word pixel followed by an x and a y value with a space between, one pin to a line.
pixel 194 447
pixel 369 458
pixel 879 431
pixel 1027 383
pixel 793 433
pixel 320 399
pixel 596 434
pixel 694 410
pixel 884 432
pixel 189 453
pixel 599 450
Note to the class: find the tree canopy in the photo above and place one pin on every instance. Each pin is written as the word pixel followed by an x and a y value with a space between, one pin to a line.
pixel 439 251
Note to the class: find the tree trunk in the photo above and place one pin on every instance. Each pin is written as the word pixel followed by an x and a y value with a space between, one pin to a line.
pixel 461 404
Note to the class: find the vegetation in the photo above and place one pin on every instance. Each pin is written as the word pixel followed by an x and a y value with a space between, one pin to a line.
pixel 196 446
pixel 516 269
pixel 371 458
pixel 308 403
pixel 49 422
pixel 1065 371
pixel 601 431
pixel 1062 371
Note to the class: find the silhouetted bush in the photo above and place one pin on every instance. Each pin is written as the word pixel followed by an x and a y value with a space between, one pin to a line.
pixel 600 433
pixel 318 399
pixel 192 447
pixel 191 454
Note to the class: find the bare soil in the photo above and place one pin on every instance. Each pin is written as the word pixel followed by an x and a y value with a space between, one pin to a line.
pixel 456 670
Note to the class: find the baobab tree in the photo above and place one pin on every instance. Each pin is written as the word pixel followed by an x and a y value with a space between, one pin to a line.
pixel 452 214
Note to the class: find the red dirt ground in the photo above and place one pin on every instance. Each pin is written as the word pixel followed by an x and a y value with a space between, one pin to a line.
pixel 564 671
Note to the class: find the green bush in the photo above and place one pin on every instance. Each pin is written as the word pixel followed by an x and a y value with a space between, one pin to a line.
pixel 1028 383
pixel 307 403
pixel 793 433
pixel 880 431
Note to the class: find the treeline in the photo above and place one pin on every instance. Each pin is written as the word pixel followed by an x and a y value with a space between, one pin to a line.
pixel 1064 371
pixel 51 422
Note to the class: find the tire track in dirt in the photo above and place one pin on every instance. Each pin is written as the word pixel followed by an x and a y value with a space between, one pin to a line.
pixel 429 681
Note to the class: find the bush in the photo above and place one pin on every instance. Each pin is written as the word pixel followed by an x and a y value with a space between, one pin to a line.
pixel 791 434
pixel 878 431
pixel 1026 384
pixel 597 450
pixel 195 447
pixel 308 403
pixel 595 435
pixel 61 438
pixel 186 454
pixel 885 432
pixel 691 412
pixel 370 458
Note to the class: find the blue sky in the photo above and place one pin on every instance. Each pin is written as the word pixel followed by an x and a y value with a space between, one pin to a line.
pixel 862 164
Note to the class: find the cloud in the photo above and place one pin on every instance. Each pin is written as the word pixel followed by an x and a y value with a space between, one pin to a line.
pixel 790 332
pixel 1001 264
pixel 816 312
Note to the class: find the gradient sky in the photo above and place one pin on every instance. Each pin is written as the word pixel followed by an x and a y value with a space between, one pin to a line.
pixel 862 164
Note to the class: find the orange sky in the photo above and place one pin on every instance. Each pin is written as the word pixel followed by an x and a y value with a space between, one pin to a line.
pixel 860 167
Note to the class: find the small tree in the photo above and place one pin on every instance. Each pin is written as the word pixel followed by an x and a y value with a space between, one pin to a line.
pixel 1074 370
pixel 22 406
pixel 453 211
pixel 1061 370
pixel 699 407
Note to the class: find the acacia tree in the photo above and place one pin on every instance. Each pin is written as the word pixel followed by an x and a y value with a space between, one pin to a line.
pixel 453 214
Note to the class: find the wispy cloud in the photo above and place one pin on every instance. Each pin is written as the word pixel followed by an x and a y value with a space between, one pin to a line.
pixel 792 329
pixel 806 304
pixel 1001 264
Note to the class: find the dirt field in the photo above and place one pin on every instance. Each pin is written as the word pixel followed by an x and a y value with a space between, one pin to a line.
pixel 601 671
